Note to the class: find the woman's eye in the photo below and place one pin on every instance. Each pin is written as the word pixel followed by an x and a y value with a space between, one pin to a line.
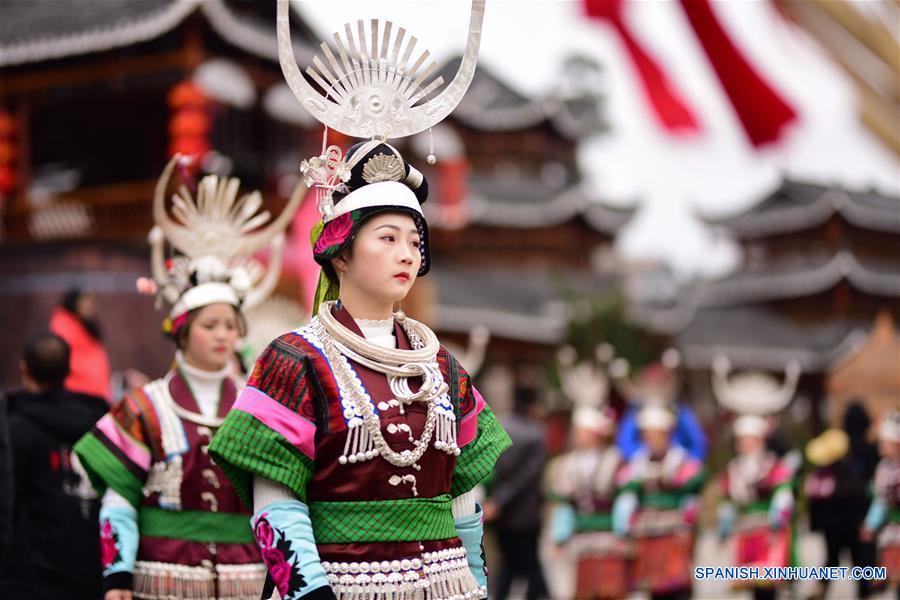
pixel 416 244
pixel 388 238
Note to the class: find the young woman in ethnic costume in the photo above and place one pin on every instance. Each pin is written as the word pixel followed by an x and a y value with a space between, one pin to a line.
pixel 657 506
pixel 359 439
pixel 584 483
pixel 757 486
pixel 883 518
pixel 171 524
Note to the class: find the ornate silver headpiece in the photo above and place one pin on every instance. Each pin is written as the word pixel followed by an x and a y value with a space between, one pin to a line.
pixel 217 234
pixel 753 392
pixel 370 84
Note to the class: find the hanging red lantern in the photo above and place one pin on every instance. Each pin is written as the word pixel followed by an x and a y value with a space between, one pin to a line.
pixel 190 146
pixel 190 122
pixel 7 125
pixel 186 94
pixel 453 190
pixel 7 180
pixel 7 152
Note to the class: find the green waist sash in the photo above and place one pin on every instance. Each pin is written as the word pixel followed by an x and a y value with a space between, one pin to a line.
pixel 195 526
pixel 406 520
pixel 594 522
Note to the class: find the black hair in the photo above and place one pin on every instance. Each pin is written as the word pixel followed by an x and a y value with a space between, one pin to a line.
pixel 69 302
pixel 47 357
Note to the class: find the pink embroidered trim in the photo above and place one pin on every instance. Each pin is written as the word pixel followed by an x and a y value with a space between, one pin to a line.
pixel 137 453
pixel 299 431
pixel 468 427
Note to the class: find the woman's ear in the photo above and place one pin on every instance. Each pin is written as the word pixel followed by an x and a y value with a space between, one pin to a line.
pixel 339 264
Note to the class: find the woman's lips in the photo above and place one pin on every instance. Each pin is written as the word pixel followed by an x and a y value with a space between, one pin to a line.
pixel 402 276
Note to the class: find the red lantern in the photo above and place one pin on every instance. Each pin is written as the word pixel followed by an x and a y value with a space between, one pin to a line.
pixel 190 122
pixel 189 146
pixel 7 180
pixel 7 125
pixel 186 94
pixel 7 152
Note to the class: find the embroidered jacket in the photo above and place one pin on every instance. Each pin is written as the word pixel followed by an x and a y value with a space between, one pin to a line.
pixel 181 512
pixel 586 481
pixel 296 425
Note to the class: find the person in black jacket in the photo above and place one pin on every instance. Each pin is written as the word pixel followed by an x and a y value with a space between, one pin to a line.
pixel 54 551
pixel 513 507
pixel 6 483
pixel 837 490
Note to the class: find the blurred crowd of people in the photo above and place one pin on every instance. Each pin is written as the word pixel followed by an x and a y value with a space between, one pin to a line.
pixel 623 503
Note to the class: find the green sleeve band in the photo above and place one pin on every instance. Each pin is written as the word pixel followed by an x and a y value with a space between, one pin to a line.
pixel 244 447
pixel 106 471
pixel 478 458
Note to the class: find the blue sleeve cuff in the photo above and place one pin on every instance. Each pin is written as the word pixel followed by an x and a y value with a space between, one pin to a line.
pixel 876 516
pixel 284 534
pixel 562 523
pixel 470 530
pixel 623 509
pixel 119 539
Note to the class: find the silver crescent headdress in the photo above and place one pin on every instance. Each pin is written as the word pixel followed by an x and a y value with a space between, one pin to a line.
pixel 217 234
pixel 371 85
pixel 753 392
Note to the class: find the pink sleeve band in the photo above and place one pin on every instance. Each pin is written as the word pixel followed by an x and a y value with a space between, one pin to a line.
pixel 468 426
pixel 135 451
pixel 300 432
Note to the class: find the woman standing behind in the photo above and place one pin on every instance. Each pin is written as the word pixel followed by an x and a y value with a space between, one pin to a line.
pixel 358 438
pixel 171 524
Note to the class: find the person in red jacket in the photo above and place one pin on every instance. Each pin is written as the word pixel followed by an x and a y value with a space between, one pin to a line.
pixel 74 320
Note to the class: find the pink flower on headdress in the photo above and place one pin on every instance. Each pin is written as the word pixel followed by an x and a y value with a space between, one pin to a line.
pixel 335 233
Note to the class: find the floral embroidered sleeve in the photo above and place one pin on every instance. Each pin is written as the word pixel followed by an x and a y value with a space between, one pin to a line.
pixel 284 534
pixel 270 433
pixel 116 455
pixel 119 539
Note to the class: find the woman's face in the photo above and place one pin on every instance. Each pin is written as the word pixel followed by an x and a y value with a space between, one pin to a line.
pixel 212 337
pixel 656 440
pixel 384 261
pixel 750 444
pixel 889 449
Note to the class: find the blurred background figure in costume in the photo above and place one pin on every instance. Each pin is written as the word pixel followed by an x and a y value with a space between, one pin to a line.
pixel 583 483
pixel 55 547
pixel 513 505
pixel 883 519
pixel 171 524
pixel 658 383
pixel 842 463
pixel 75 320
pixel 658 505
pixel 757 485
pixel 360 426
